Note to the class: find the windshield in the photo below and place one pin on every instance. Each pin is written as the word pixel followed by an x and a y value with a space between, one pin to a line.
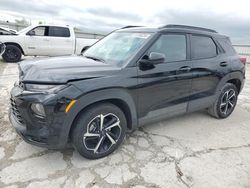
pixel 117 48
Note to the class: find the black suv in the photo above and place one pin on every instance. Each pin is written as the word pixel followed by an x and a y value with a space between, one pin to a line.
pixel 133 76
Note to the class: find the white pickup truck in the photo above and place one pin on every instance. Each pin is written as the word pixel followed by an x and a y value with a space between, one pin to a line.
pixel 43 40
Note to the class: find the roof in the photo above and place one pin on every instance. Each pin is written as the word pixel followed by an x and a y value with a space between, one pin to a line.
pixel 172 28
pixel 55 25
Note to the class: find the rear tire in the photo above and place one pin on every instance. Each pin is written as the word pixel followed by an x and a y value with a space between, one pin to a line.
pixel 12 54
pixel 94 139
pixel 225 103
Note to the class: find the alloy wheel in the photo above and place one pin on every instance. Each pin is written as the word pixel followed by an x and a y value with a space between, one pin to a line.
pixel 228 102
pixel 103 131
pixel 11 54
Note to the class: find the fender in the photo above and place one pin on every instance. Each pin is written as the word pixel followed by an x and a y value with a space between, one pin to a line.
pixel 233 75
pixel 93 97
pixel 16 44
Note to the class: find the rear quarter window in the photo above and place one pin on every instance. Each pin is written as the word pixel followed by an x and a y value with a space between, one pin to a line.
pixel 227 46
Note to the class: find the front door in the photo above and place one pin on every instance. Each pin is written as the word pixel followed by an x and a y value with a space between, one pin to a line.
pixel 164 90
pixel 37 41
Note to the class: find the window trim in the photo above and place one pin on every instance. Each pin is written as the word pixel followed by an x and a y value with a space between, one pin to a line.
pixel 188 56
pixel 222 50
pixel 191 47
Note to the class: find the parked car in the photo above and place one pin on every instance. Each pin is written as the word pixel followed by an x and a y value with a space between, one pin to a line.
pixel 43 40
pixel 2 48
pixel 132 77
pixel 7 31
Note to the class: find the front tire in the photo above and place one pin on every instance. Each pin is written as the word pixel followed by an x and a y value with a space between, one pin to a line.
pixel 225 103
pixel 12 54
pixel 99 130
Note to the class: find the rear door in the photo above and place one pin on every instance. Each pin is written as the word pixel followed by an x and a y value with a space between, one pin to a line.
pixel 208 67
pixel 164 90
pixel 61 41
pixel 37 43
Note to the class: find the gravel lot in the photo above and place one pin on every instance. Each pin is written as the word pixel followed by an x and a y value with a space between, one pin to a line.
pixel 194 150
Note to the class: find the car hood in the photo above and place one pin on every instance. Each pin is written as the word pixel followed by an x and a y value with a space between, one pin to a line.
pixel 63 69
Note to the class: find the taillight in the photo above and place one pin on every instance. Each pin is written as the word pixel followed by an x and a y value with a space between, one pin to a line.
pixel 243 60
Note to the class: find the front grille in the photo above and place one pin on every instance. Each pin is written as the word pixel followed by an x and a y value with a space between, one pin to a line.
pixel 15 111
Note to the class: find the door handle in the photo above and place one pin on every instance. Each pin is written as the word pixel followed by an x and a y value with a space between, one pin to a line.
pixel 185 69
pixel 46 40
pixel 223 64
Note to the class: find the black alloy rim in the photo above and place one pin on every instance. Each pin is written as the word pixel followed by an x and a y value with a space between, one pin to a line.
pixel 11 54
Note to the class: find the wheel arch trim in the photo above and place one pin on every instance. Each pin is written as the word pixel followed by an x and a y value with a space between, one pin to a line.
pixel 95 97
pixel 15 44
pixel 231 76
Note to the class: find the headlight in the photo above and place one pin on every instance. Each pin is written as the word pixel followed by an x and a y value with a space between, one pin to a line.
pixel 46 88
pixel 38 109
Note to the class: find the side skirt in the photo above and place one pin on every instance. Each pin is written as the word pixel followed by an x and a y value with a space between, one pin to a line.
pixel 201 103
pixel 163 113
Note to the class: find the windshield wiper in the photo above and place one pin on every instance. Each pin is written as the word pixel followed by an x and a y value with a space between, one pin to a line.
pixel 95 58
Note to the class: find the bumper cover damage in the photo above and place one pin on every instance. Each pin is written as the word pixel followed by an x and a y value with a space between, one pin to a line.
pixel 47 132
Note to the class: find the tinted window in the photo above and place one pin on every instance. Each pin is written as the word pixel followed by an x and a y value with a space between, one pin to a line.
pixel 39 31
pixel 203 47
pixel 227 46
pixel 172 46
pixel 59 32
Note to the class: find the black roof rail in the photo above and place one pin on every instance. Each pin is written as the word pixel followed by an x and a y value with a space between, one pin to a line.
pixel 130 26
pixel 187 27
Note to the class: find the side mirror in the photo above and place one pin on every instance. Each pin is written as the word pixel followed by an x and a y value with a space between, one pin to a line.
pixel 149 62
pixel 31 33
pixel 156 57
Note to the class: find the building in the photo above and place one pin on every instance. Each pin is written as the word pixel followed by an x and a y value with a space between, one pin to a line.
pixel 243 51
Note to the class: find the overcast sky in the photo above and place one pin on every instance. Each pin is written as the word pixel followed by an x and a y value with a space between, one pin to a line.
pixel 230 18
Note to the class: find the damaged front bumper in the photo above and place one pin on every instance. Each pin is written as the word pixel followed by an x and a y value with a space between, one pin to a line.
pixel 44 132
